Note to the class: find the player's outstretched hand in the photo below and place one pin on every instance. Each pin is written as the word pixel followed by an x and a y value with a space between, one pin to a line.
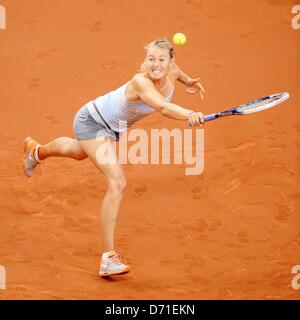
pixel 194 85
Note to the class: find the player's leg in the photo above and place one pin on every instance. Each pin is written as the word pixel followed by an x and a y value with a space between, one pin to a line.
pixel 60 147
pixel 102 153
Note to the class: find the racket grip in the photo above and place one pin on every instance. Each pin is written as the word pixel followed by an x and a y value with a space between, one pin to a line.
pixel 210 117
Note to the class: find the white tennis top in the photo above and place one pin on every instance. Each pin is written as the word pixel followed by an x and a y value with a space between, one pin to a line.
pixel 119 113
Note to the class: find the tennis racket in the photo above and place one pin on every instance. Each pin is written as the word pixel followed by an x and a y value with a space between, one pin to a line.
pixel 250 107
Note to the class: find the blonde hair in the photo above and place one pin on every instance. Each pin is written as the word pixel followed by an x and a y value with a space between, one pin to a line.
pixel 163 44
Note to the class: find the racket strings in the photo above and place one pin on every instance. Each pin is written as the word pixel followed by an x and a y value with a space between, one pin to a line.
pixel 260 104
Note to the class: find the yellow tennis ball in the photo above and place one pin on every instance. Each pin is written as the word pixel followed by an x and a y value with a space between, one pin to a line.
pixel 179 39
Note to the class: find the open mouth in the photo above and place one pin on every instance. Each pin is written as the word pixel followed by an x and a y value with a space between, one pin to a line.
pixel 157 71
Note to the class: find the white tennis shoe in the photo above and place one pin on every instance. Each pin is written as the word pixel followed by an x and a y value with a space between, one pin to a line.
pixel 111 264
pixel 30 160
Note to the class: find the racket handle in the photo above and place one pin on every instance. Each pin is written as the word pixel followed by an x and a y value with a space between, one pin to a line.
pixel 210 117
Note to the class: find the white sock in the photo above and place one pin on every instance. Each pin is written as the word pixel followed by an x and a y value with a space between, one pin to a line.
pixel 105 255
pixel 36 154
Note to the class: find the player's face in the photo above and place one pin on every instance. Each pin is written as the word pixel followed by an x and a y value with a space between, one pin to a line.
pixel 157 63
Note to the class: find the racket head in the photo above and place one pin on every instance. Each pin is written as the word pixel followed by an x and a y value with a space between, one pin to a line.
pixel 262 103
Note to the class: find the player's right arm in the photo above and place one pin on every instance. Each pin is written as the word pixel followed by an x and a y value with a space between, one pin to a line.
pixel 147 92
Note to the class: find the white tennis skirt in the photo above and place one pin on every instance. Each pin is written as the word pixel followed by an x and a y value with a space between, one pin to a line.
pixel 86 127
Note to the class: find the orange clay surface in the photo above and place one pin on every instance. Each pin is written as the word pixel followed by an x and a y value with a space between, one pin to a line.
pixel 230 233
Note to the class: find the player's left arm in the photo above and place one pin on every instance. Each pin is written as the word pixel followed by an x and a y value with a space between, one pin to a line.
pixel 193 84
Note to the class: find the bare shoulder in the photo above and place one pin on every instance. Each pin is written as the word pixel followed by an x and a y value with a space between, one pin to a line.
pixel 174 72
pixel 136 85
pixel 139 81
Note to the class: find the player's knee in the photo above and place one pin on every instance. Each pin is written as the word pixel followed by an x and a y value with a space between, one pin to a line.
pixel 80 156
pixel 118 184
pixel 76 153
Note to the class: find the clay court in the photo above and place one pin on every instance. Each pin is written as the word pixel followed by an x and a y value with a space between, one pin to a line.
pixel 231 232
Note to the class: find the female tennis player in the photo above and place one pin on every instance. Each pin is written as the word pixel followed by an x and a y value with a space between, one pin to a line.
pixel 100 122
